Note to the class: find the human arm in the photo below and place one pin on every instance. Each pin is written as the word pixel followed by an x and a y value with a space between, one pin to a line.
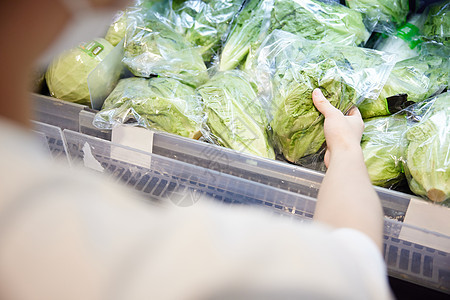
pixel 346 197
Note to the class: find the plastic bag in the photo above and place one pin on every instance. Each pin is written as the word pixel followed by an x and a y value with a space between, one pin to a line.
pixel 427 148
pixel 311 19
pixel 155 48
pixel 234 116
pixel 437 24
pixel 404 41
pixel 157 103
pixel 289 68
pixel 411 80
pixel 381 146
pixel 381 13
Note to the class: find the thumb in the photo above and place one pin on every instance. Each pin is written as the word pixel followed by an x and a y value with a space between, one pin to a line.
pixel 322 104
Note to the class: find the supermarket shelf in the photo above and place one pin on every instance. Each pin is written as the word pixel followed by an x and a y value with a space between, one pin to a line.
pixel 181 170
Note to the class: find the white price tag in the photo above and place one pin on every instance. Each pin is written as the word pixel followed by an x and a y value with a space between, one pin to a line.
pixel 136 138
pixel 430 217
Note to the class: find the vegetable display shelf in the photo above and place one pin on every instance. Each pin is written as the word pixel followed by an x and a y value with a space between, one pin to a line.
pixel 180 171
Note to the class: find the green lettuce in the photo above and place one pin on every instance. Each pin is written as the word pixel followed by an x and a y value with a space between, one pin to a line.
pixel 310 19
pixel 163 104
pixel 437 25
pixel 382 149
pixel 315 20
pixel 117 30
pixel 384 11
pixel 234 116
pixel 419 78
pixel 289 68
pixel 205 23
pixel 154 48
pixel 427 150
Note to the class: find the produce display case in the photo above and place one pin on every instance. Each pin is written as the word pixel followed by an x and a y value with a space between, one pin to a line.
pixel 179 171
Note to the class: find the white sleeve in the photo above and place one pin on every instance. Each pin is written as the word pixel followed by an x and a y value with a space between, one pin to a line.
pixel 71 235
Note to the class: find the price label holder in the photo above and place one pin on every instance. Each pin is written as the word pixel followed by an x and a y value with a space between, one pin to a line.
pixel 139 139
pixel 433 219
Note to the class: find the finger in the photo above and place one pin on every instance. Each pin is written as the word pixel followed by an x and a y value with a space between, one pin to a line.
pixel 354 112
pixel 323 105
pixel 326 159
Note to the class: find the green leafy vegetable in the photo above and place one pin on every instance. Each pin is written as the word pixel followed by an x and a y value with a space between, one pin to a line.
pixel 67 75
pixel 158 103
pixel 205 23
pixel 427 152
pixel 381 145
pixel 289 68
pixel 437 25
pixel 117 30
pixel 245 34
pixel 419 77
pixel 315 20
pixel 234 115
pixel 310 19
pixel 154 48
pixel 384 11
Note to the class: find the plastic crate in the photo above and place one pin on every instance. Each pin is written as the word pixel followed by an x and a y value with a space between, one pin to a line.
pixel 180 169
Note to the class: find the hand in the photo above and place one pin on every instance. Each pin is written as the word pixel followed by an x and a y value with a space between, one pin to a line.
pixel 342 133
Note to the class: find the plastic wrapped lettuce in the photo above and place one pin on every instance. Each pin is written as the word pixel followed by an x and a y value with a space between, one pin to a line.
pixel 205 23
pixel 158 103
pixel 250 28
pixel 381 11
pixel 289 68
pixel 234 116
pixel 116 32
pixel 437 24
pixel 322 21
pixel 154 48
pixel 416 79
pixel 382 149
pixel 427 152
pixel 311 19
pixel 67 74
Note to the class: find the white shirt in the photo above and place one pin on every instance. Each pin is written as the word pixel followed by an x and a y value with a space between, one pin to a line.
pixel 72 234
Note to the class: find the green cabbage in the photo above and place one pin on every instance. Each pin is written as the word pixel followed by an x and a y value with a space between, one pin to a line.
pixel 234 116
pixel 381 145
pixel 157 103
pixel 427 151
pixel 67 75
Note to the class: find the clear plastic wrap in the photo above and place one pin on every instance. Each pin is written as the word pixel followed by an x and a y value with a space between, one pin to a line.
pixel 437 24
pixel 404 41
pixel 235 119
pixel 289 68
pixel 381 145
pixel 381 12
pixel 314 20
pixel 158 103
pixel 154 48
pixel 67 75
pixel 416 79
pixel 427 148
